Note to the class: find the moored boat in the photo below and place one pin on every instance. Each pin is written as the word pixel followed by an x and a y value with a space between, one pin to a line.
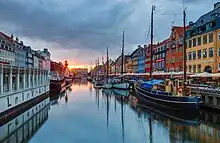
pixel 147 91
pixel 107 86
pixel 68 80
pixel 121 92
pixel 121 85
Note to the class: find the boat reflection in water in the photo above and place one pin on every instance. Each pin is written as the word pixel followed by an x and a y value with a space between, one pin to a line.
pixel 181 126
pixel 23 126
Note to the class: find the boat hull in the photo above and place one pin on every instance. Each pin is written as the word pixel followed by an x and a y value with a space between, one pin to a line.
pixel 119 92
pixel 107 86
pixel 173 102
pixel 68 81
pixel 57 85
pixel 121 86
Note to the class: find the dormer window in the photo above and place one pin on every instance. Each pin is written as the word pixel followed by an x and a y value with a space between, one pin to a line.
pixel 202 20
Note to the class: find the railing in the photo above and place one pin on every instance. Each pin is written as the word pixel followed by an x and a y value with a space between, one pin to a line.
pixel 21 85
pixel 6 88
pixel 14 86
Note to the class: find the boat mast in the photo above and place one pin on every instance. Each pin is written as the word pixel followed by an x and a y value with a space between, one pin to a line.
pixel 151 41
pixel 107 64
pixel 122 54
pixel 184 52
pixel 98 68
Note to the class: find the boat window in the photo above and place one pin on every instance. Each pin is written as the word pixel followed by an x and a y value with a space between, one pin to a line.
pixel 180 84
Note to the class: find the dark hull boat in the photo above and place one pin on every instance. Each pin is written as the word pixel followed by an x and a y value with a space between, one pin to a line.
pixel 69 81
pixel 165 99
pixel 56 86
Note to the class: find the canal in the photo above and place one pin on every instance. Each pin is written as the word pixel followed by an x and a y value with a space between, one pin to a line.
pixel 83 114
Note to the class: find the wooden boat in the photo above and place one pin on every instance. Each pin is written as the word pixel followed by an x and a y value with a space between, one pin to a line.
pixel 57 85
pixel 147 91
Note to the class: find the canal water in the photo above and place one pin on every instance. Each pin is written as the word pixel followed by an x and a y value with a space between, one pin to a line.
pixel 83 114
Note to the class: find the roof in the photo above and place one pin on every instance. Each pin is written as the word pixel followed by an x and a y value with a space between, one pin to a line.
pixel 163 42
pixel 206 18
pixel 6 37
pixel 136 51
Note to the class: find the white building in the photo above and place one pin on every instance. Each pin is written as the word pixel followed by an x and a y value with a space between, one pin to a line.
pixel 7 54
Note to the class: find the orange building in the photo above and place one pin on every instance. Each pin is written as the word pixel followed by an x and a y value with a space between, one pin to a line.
pixel 174 56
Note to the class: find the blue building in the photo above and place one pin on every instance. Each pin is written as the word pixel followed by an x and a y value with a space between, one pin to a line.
pixel 141 59
pixel 20 54
pixel 29 57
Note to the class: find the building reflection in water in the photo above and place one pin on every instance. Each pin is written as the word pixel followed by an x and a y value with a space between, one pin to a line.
pixel 25 125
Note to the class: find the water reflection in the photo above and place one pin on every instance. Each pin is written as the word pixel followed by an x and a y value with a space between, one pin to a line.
pixel 112 116
pixel 23 127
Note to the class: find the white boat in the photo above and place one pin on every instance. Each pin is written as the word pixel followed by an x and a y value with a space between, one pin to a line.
pixel 107 86
pixel 118 92
pixel 122 86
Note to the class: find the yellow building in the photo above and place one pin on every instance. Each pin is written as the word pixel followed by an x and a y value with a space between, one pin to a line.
pixel 203 43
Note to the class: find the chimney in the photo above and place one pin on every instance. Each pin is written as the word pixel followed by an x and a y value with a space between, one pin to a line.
pixel 17 39
pixel 21 42
pixel 217 5
pixel 139 46
pixel 12 36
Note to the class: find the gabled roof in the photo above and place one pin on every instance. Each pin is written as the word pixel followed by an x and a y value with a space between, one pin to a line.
pixel 6 37
pixel 136 51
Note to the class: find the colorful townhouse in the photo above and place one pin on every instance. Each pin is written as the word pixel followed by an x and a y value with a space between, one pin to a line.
pixel 148 57
pixel 134 57
pixel 159 58
pixel 174 56
pixel 203 43
pixel 141 60
pixel 128 64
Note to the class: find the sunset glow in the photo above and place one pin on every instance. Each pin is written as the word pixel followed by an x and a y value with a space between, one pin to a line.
pixel 80 66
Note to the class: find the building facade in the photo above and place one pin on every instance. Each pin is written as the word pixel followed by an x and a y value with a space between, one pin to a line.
pixel 141 60
pixel 159 58
pixel 134 57
pixel 7 52
pixel 148 57
pixel 174 56
pixel 203 43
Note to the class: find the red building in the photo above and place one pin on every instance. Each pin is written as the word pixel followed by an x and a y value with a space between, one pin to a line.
pixel 159 59
pixel 148 57
pixel 174 56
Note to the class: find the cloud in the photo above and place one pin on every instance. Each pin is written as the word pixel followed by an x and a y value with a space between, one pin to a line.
pixel 80 30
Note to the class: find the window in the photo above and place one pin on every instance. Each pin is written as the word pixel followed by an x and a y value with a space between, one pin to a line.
pixel 194 42
pixel 210 52
pixel 218 67
pixel 199 54
pixel 210 37
pixel 199 41
pixel 219 52
pixel 199 68
pixel 189 56
pixel 204 53
pixel 194 68
pixel 190 43
pixel 190 68
pixel 194 55
pixel 177 50
pixel 205 39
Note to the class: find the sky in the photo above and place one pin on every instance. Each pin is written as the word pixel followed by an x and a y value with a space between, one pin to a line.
pixel 80 30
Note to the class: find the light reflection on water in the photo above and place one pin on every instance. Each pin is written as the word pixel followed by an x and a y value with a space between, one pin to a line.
pixel 86 115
